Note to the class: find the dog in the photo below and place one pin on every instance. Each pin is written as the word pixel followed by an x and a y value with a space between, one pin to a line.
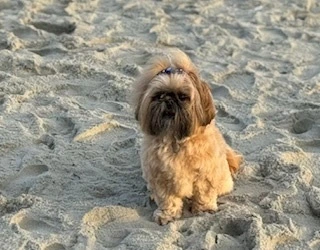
pixel 183 154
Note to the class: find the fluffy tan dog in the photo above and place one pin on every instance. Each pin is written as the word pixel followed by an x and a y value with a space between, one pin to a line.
pixel 184 155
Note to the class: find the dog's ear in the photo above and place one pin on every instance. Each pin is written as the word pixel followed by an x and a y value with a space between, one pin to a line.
pixel 136 112
pixel 137 92
pixel 140 86
pixel 135 102
pixel 207 103
pixel 207 111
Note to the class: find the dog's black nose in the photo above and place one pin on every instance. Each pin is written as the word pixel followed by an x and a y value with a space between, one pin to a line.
pixel 169 102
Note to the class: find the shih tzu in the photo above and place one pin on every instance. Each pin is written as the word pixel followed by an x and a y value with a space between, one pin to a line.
pixel 184 155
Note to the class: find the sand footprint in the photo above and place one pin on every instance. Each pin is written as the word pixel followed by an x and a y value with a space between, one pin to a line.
pixel 242 81
pixel 52 24
pixel 302 125
pixel 307 72
pixel 221 92
pixel 239 84
pixel 53 18
pixel 313 198
pixel 236 231
pixel 61 126
pixel 230 121
pixel 123 152
pixel 311 145
pixel 24 180
pixel 33 223
pixel 47 140
pixel 307 130
pixel 47 51
pixel 111 226
pixel 233 231
pixel 246 231
pixel 304 120
pixel 272 35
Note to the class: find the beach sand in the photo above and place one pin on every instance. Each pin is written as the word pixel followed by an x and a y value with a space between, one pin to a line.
pixel 70 174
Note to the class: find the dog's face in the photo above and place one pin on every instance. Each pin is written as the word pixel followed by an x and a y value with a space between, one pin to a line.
pixel 173 101
pixel 168 106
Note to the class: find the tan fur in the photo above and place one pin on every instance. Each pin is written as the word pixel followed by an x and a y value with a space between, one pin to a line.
pixel 184 154
pixel 234 160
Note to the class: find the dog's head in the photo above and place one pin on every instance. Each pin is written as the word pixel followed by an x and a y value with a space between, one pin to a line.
pixel 170 99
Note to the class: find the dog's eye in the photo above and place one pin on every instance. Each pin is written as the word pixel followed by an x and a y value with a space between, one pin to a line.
pixel 162 96
pixel 183 97
pixel 159 96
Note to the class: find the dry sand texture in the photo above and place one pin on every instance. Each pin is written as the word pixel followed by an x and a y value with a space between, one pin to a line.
pixel 69 165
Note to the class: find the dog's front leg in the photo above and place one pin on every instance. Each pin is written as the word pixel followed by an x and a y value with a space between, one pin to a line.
pixel 169 209
pixel 204 198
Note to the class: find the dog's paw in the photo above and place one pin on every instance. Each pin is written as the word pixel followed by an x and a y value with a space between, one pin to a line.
pixel 197 209
pixel 162 217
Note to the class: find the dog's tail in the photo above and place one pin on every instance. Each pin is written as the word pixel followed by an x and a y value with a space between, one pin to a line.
pixel 234 160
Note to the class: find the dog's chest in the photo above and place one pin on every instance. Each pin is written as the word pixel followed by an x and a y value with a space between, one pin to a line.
pixel 186 159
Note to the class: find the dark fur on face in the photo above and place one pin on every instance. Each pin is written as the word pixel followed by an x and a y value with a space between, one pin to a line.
pixel 170 113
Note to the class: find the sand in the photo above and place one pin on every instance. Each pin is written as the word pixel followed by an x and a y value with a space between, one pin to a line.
pixel 70 175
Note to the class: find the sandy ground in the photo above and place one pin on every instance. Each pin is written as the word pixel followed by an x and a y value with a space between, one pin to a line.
pixel 70 175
